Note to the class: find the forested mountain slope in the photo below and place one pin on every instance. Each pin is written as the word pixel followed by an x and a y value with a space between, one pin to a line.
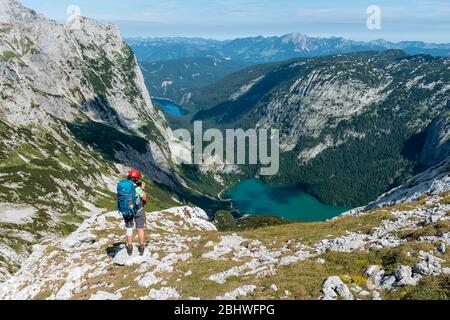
pixel 175 79
pixel 352 126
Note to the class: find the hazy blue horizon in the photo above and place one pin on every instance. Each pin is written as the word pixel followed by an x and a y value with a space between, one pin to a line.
pixel 402 20
pixel 278 35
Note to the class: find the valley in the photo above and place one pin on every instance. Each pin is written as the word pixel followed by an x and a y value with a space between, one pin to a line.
pixel 351 126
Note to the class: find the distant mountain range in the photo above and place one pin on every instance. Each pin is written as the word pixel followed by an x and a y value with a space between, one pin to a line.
pixel 267 49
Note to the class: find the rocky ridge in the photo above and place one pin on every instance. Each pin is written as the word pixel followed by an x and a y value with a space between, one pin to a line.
pixel 185 248
pixel 65 91
pixel 431 182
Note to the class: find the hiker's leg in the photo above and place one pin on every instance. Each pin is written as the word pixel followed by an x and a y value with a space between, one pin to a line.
pixel 141 236
pixel 129 224
pixel 130 236
pixel 140 224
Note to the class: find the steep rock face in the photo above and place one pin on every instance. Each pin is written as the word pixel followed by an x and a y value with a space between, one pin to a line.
pixel 322 98
pixel 437 144
pixel 307 98
pixel 73 110
pixel 55 69
pixel 74 73
pixel 431 182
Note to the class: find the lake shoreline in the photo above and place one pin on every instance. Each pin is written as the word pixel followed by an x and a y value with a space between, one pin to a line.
pixel 160 101
pixel 255 198
pixel 230 201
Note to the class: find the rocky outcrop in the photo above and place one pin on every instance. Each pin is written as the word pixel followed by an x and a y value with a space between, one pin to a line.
pixel 58 265
pixel 236 293
pixel 102 296
pixel 185 248
pixel 148 280
pixel 429 265
pixel 405 275
pixel 437 143
pixel 433 181
pixel 377 279
pixel 333 287
pixel 52 69
pixel 385 235
pixel 163 294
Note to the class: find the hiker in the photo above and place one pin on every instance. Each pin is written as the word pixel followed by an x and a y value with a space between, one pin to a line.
pixel 131 198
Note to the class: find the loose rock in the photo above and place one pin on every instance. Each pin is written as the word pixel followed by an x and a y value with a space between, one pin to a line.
pixel 165 293
pixel 148 280
pixel 102 295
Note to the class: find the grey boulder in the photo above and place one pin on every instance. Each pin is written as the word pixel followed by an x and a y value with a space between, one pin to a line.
pixel 403 272
pixel 123 259
pixel 333 287
pixel 102 295
pixel 148 280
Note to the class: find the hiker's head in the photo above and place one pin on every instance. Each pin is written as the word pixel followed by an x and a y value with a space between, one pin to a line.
pixel 134 175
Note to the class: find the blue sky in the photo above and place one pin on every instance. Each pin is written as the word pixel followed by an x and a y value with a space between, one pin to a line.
pixel 427 20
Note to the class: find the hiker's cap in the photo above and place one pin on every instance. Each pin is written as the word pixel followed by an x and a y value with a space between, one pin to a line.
pixel 134 174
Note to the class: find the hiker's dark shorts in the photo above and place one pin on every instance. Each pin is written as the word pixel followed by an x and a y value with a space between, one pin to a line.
pixel 138 220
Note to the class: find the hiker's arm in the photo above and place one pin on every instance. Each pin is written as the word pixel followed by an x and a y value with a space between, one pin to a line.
pixel 144 193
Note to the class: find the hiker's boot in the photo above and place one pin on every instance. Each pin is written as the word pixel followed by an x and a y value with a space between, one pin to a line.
pixel 129 249
pixel 141 249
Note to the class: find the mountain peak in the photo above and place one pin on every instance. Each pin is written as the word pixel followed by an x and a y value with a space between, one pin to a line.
pixel 295 37
pixel 12 11
pixel 10 4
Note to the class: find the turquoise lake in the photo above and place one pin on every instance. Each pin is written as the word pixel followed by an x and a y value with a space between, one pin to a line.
pixel 254 197
pixel 169 107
